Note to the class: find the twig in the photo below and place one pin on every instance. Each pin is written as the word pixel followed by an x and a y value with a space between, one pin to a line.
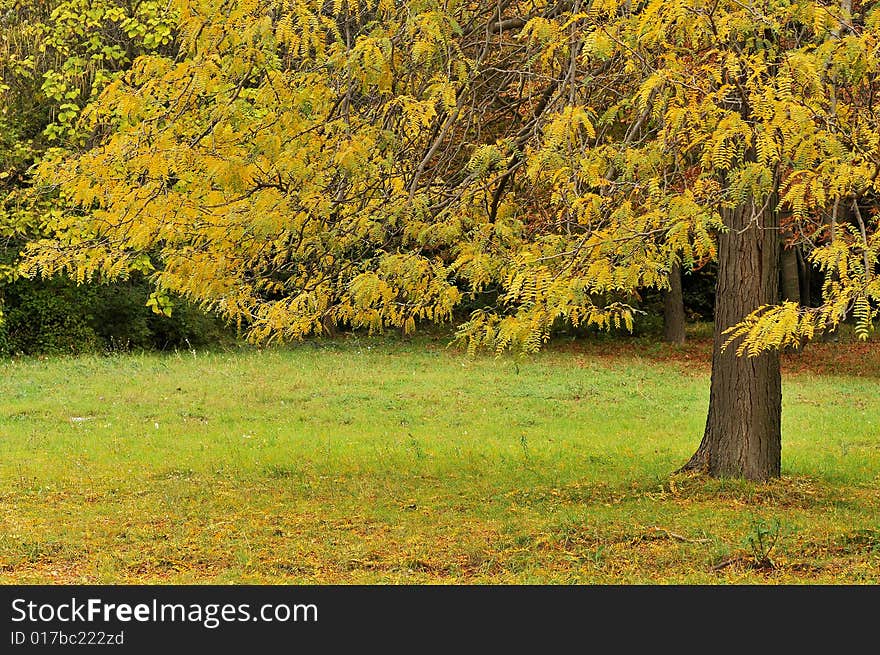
pixel 724 564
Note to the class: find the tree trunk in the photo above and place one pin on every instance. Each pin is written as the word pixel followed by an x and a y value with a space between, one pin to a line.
pixel 673 308
pixel 804 275
pixel 743 436
pixel 791 285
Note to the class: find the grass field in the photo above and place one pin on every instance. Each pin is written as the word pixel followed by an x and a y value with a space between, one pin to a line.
pixel 368 460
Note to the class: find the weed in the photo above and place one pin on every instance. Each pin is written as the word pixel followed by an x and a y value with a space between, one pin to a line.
pixel 762 540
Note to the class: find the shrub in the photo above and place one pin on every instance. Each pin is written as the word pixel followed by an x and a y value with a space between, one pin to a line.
pixel 57 316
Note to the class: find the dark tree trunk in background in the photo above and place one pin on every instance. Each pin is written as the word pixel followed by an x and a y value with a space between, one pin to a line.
pixel 743 436
pixel 791 282
pixel 673 308
pixel 805 273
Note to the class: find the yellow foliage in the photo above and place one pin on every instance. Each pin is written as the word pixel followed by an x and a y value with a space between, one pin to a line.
pixel 299 163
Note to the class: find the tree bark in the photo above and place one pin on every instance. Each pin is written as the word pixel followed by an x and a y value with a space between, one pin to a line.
pixel 743 436
pixel 791 285
pixel 805 275
pixel 673 308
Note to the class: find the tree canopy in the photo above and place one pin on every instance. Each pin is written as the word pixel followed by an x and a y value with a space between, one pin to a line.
pixel 56 56
pixel 290 164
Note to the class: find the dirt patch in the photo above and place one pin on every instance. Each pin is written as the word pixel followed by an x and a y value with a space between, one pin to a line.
pixel 846 358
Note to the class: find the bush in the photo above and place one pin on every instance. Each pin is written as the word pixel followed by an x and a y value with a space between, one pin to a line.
pixel 50 317
pixel 187 327
pixel 57 316
pixel 4 339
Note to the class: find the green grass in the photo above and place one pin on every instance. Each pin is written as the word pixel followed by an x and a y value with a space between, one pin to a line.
pixel 388 461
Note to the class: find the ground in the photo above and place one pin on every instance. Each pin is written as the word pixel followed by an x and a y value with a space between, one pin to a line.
pixel 386 460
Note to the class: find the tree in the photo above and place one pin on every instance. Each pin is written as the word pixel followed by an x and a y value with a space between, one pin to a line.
pixel 55 58
pixel 294 166
pixel 673 308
